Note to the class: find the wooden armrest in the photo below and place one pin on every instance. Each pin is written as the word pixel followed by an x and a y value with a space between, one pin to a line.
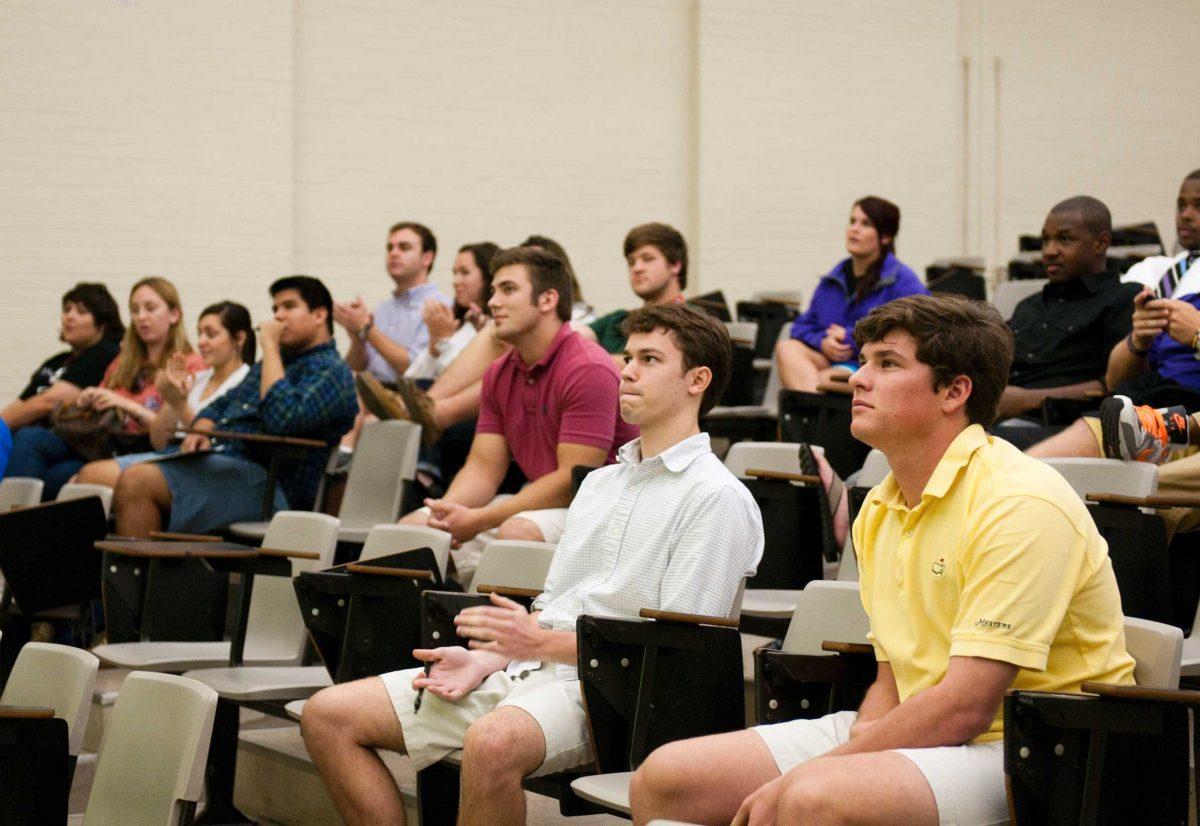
pixel 184 537
pixel 741 342
pixel 512 593
pixel 1094 394
pixel 1137 692
pixel 783 302
pixel 276 552
pixel 26 713
pixel 1145 501
pixel 757 473
pixel 686 619
pixel 708 302
pixel 859 648
pixel 261 438
pixel 383 570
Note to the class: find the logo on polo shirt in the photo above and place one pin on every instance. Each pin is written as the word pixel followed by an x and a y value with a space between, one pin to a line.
pixel 939 567
pixel 989 623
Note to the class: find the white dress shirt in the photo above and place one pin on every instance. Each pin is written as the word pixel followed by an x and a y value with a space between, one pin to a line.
pixel 676 532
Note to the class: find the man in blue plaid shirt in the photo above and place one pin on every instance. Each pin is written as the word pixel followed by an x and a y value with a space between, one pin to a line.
pixel 300 388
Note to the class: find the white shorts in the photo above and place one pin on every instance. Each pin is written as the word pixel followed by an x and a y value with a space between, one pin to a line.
pixel 967 781
pixel 440 725
pixel 550 521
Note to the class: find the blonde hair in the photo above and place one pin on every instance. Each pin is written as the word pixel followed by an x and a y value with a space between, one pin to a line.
pixel 134 359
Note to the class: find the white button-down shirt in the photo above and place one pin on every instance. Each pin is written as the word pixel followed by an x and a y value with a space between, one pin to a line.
pixel 676 532
pixel 1149 271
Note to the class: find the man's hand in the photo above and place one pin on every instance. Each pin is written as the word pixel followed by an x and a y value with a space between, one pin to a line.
pixel 461 522
pixel 504 628
pixel 353 315
pixel 834 346
pixel 1015 401
pixel 1150 318
pixel 439 319
pixel 269 332
pixel 456 671
pixel 1183 320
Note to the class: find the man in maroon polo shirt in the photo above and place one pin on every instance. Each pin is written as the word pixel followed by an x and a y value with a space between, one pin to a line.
pixel 549 404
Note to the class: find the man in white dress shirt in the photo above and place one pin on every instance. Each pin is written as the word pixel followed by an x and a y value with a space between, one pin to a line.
pixel 666 527
pixel 1176 275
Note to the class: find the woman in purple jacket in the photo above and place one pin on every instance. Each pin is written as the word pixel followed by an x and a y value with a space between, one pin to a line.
pixel 823 337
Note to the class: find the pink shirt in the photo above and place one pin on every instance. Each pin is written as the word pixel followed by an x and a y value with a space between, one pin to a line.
pixel 570 395
pixel 144 392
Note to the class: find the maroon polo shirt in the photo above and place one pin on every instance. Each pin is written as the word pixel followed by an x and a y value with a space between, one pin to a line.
pixel 569 395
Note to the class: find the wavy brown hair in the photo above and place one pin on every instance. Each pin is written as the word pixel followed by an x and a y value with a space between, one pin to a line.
pixel 134 361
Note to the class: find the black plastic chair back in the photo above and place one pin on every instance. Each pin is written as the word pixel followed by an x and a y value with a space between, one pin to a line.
pixel 792 553
pixel 1137 546
pixel 824 420
pixel 771 318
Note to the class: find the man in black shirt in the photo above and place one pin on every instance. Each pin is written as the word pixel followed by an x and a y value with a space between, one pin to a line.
pixel 1064 333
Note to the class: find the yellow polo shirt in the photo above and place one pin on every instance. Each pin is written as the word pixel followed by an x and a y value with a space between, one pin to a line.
pixel 1000 559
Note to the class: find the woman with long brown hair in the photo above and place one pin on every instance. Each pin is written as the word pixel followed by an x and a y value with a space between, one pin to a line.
pixel 823 337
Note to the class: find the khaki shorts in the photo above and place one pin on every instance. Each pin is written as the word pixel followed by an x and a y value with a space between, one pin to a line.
pixel 550 522
pixel 967 781
pixel 440 725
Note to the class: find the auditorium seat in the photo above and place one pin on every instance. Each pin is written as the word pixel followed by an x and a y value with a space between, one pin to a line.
pixel 81 490
pixel 20 492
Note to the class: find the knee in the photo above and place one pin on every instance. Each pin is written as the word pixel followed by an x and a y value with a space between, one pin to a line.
pixel 136 482
pixel 808 799
pixel 493 750
pixel 417 517
pixel 326 714
pixel 662 777
pixel 515 527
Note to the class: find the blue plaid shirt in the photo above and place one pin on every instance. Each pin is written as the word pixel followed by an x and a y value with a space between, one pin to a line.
pixel 314 400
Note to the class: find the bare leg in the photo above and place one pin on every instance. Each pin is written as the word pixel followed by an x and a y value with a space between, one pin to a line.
pixel 342 727
pixel 468 367
pixel 103 472
pixel 1077 440
pixel 703 780
pixel 799 365
pixel 879 787
pixel 140 499
pixel 500 749
pixel 517 528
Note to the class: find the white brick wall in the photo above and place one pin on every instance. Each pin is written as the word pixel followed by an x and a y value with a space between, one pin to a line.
pixel 223 144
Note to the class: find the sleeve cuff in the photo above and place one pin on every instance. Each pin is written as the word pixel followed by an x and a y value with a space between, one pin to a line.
pixel 1022 654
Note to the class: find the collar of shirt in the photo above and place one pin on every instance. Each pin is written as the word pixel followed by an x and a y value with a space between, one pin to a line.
pixel 956 457
pixel 889 271
pixel 414 295
pixel 311 351
pixel 564 332
pixel 676 458
pixel 1079 287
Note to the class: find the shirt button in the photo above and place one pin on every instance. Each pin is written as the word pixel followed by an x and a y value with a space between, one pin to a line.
pixel 908 533
pixel 529 380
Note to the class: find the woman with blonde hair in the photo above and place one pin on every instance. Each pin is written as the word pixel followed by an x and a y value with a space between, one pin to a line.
pixel 155 334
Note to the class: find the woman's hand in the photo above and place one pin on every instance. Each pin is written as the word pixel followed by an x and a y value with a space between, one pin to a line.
pixel 834 346
pixel 174 382
pixel 439 319
pixel 476 317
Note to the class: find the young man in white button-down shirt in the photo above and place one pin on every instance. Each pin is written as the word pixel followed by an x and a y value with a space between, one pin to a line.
pixel 667 527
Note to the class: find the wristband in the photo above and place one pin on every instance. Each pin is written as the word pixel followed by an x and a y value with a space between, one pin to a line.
pixel 1196 344
pixel 1135 350
pixel 364 331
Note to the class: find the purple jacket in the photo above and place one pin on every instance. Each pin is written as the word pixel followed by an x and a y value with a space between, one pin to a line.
pixel 833 302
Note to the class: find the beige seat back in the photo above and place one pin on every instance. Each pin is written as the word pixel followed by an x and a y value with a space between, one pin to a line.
pixel 58 677
pixel 20 492
pixel 783 457
pixel 826 610
pixel 154 750
pixel 385 460
pixel 1086 476
pixel 275 629
pixel 393 539
pixel 82 490
pixel 1157 648
pixel 514 563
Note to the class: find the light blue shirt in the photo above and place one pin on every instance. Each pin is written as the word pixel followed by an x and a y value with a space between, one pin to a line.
pixel 399 318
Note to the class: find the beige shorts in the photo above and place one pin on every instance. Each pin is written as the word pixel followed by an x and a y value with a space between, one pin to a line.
pixel 549 521
pixel 440 725
pixel 967 781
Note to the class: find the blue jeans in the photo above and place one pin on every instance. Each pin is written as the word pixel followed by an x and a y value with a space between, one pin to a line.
pixel 39 453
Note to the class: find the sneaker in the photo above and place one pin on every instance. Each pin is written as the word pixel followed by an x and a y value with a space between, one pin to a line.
pixel 1140 433
pixel 384 403
pixel 420 409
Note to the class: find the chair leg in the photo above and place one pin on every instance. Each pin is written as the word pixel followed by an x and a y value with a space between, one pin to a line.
pixel 222 767
pixel 437 793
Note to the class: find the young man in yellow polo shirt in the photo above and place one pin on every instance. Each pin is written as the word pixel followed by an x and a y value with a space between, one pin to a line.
pixel 981 570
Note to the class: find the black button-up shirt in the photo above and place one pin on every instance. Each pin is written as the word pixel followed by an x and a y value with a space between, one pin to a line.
pixel 1064 333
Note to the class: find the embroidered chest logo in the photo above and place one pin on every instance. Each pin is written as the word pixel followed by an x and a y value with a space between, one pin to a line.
pixel 939 567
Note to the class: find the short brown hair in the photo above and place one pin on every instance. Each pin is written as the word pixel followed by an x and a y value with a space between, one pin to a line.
pixel 666 239
pixel 955 337
pixel 702 339
pixel 546 272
